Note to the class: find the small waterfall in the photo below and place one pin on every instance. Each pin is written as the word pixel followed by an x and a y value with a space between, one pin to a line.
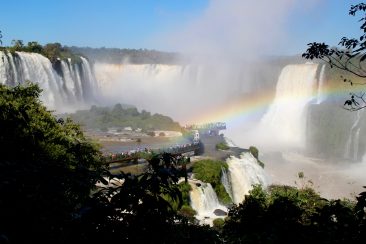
pixel 352 144
pixel 285 120
pixel 321 95
pixel 70 83
pixel 204 201
pixel 226 182
pixel 244 172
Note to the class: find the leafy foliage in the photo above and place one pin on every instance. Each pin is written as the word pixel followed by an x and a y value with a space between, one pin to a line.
pixel 222 146
pixel 48 172
pixel 350 56
pixel 210 171
pixel 53 51
pixel 255 152
pixel 123 116
pixel 285 214
pixel 140 209
pixel 47 168
pixel 134 56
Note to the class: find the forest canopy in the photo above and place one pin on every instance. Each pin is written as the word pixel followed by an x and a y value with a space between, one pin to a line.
pixel 122 116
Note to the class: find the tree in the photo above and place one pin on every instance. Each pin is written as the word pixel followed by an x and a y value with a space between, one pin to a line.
pixel 350 56
pixel 52 51
pixel 141 209
pixel 47 169
pixel 34 47
pixel 18 45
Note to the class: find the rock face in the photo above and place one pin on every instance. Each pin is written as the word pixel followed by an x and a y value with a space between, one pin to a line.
pixel 220 212
pixel 64 83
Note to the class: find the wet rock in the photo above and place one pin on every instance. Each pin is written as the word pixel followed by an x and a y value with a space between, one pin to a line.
pixel 220 212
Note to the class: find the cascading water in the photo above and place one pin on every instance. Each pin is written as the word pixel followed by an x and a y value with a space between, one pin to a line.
pixel 321 94
pixel 353 140
pixel 72 82
pixel 226 182
pixel 285 120
pixel 204 201
pixel 244 172
pixel 193 88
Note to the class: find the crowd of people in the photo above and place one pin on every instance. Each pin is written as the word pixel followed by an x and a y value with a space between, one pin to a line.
pixel 207 126
pixel 146 152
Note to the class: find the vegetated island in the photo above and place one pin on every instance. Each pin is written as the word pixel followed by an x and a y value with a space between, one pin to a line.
pixel 122 116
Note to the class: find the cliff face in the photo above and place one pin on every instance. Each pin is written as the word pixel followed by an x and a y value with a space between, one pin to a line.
pixel 64 83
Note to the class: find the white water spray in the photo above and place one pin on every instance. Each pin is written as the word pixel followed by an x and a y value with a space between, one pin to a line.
pixel 352 144
pixel 204 201
pixel 321 93
pixel 225 181
pixel 285 120
pixel 245 172
pixel 72 83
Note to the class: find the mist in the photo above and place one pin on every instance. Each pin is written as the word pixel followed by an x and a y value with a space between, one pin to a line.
pixel 230 49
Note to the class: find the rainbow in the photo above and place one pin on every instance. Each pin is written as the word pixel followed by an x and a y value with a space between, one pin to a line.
pixel 246 108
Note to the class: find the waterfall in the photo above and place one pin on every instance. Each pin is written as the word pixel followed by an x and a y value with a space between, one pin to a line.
pixel 286 118
pixel 244 172
pixel 193 87
pixel 226 182
pixel 352 144
pixel 321 95
pixel 63 83
pixel 204 201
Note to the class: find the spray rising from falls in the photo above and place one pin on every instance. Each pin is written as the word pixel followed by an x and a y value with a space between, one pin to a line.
pixel 244 172
pixel 286 118
pixel 194 88
pixel 63 83
pixel 321 92
pixel 352 144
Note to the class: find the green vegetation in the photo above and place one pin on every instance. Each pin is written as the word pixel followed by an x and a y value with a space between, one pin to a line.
pixel 53 51
pixel 48 171
pixel 210 171
pixel 186 210
pixel 123 116
pixel 133 56
pixel 222 146
pixel 47 167
pixel 285 214
pixel 255 152
pixel 349 57
pixel 218 224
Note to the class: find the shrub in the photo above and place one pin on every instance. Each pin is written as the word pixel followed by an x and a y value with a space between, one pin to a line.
pixel 210 171
pixel 222 146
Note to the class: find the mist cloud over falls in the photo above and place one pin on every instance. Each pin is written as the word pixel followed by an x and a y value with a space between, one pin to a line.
pixel 238 29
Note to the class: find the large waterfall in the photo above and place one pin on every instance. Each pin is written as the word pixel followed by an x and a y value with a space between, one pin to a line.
pixel 286 117
pixel 244 172
pixel 64 83
pixel 194 88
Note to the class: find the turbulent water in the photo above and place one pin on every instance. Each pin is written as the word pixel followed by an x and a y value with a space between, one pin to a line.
pixel 64 84
pixel 225 181
pixel 244 172
pixel 192 88
pixel 204 200
pixel 352 144
pixel 183 91
pixel 286 117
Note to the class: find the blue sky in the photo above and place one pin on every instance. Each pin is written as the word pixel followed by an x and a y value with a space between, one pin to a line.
pixel 139 23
